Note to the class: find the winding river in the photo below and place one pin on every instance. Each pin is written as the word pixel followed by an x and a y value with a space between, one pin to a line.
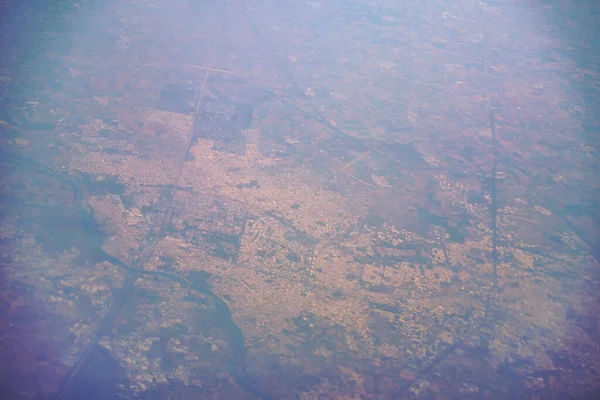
pixel 237 365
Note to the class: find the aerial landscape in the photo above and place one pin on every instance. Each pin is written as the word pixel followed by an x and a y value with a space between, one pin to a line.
pixel 358 199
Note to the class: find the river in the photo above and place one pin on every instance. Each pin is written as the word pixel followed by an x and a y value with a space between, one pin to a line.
pixel 94 240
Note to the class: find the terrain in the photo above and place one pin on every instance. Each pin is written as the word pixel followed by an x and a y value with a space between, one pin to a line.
pixel 289 200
